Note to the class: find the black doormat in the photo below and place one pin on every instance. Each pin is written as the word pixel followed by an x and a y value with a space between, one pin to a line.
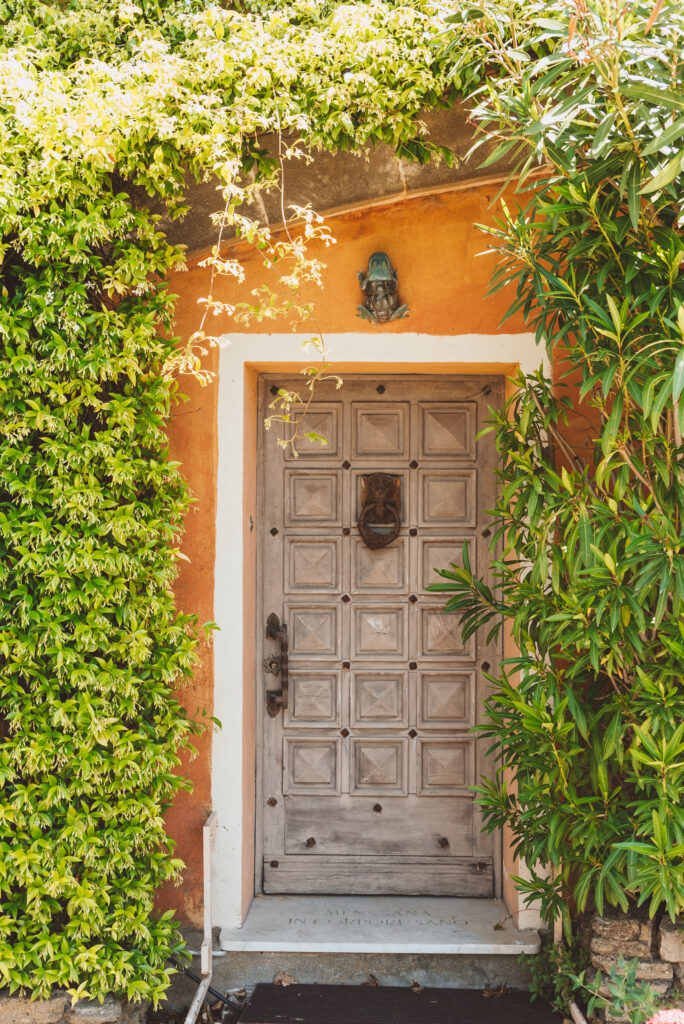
pixel 359 1004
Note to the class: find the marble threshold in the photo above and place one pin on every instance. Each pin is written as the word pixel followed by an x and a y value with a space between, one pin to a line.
pixel 379 924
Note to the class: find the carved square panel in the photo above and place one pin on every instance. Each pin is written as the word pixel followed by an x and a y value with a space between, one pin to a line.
pixel 381 571
pixel 445 699
pixel 448 429
pixel 313 631
pixel 444 765
pixel 448 497
pixel 439 554
pixel 378 766
pixel 313 498
pixel 379 699
pixel 311 766
pixel 312 564
pixel 379 631
pixel 323 419
pixel 380 430
pixel 314 700
pixel 440 635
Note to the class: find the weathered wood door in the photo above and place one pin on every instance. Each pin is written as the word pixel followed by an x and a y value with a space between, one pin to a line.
pixel 365 776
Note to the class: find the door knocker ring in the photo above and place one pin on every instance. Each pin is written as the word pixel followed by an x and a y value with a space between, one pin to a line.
pixel 381 506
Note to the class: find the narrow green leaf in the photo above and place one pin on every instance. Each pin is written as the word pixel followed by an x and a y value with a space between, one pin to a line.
pixel 612 424
pixel 678 377
pixel 660 402
pixel 586 537
pixel 633 194
pixel 666 175
pixel 612 735
pixel 614 314
pixel 499 152
pixel 602 133
pixel 653 96
pixel 666 138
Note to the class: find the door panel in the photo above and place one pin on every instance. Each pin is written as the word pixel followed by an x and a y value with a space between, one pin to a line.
pixel 447 876
pixel 366 775
pixel 404 828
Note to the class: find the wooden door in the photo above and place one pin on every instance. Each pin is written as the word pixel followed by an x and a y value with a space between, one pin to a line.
pixel 365 776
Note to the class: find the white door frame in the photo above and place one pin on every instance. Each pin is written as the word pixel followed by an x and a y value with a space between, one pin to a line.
pixel 242 358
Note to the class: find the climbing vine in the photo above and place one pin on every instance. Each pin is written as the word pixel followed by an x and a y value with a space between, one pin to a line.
pixel 102 102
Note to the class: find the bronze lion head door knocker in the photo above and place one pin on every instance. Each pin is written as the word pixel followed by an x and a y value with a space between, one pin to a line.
pixel 380 509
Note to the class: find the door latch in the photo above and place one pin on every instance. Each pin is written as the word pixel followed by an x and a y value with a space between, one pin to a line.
pixel 275 665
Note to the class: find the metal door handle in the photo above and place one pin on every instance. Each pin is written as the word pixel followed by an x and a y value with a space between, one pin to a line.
pixel 277 700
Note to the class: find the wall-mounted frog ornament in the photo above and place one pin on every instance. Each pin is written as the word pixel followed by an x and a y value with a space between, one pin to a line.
pixel 379 284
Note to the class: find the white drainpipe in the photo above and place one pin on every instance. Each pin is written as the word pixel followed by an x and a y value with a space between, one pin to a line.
pixel 208 833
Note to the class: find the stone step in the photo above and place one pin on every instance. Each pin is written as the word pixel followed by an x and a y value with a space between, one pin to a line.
pixel 379 924
pixel 395 941
pixel 237 972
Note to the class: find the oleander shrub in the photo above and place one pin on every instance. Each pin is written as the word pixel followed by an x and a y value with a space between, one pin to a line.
pixel 588 718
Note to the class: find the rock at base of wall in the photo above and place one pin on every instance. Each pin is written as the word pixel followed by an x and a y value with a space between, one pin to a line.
pixel 661 988
pixel 629 949
pixel 617 927
pixel 618 1018
pixel 17 1010
pixel 671 941
pixel 134 1013
pixel 59 1010
pixel 648 970
pixel 88 1011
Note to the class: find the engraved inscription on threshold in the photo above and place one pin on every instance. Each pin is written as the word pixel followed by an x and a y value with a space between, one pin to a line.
pixel 397 918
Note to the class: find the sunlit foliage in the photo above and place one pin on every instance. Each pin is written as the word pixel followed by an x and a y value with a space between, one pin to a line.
pixel 98 97
pixel 589 718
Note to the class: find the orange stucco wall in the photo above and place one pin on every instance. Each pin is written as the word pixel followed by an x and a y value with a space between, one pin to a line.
pixel 194 443
pixel 432 242
pixel 435 246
